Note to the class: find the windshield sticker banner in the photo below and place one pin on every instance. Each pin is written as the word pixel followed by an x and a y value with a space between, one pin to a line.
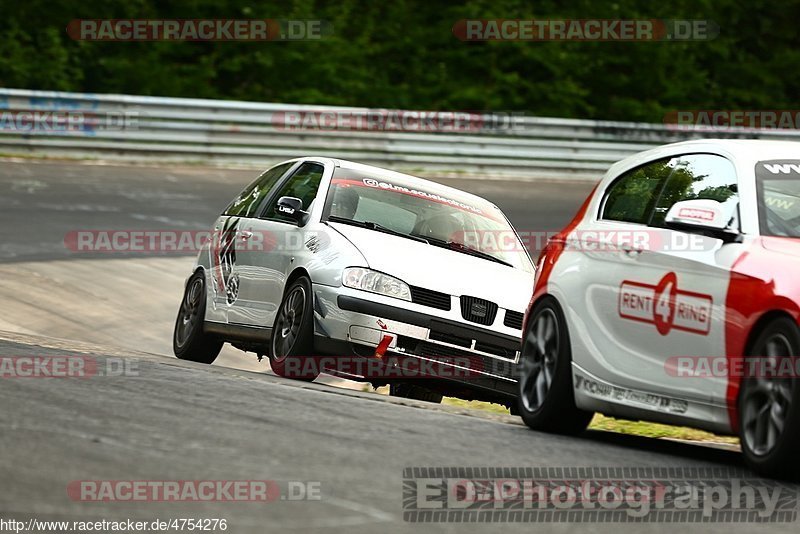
pixel 433 197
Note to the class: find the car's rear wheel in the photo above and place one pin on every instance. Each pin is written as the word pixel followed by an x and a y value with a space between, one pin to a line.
pixel 412 391
pixel 292 341
pixel 769 402
pixel 546 396
pixel 189 340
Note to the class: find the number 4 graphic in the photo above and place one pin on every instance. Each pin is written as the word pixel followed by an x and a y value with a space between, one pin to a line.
pixel 664 309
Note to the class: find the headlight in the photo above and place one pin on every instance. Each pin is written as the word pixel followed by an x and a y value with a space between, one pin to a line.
pixel 375 282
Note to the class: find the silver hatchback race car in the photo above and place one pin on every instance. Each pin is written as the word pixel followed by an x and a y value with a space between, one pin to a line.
pixel 330 266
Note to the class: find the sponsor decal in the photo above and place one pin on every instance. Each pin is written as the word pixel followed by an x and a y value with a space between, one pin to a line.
pixel 314 242
pixel 699 214
pixel 788 169
pixel 223 260
pixel 665 306
pixel 401 189
pixel 629 396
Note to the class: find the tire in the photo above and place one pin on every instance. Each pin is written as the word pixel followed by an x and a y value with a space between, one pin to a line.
pixel 292 341
pixel 189 340
pixel 769 405
pixel 546 396
pixel 411 391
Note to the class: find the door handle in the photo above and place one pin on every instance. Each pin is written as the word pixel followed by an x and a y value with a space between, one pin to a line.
pixel 630 251
pixel 247 234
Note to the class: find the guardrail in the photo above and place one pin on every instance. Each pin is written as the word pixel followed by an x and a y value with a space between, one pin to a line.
pixel 255 134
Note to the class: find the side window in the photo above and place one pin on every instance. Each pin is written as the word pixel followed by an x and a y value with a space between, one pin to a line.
pixel 695 177
pixel 632 197
pixel 303 184
pixel 248 200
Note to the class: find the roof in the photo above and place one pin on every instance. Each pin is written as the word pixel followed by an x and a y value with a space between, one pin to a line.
pixel 744 151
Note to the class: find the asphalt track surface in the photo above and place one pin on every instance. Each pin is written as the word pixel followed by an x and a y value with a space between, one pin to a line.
pixel 173 420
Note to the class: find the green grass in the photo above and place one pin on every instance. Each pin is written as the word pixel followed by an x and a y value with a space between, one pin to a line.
pixel 476 405
pixel 655 430
pixel 610 424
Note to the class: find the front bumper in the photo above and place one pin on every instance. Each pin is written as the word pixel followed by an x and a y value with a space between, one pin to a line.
pixel 461 356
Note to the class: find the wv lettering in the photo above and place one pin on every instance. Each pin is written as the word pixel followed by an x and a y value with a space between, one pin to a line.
pixel 782 168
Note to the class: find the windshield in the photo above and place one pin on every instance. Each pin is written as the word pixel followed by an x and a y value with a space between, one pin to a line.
pixel 442 217
pixel 778 185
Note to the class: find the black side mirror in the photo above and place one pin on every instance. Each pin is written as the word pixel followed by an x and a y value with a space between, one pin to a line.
pixel 292 208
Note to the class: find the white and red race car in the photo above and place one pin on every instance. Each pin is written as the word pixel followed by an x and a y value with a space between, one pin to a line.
pixel 674 297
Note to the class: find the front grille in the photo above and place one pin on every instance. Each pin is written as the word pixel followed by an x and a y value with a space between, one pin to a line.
pixel 513 319
pixel 450 338
pixel 477 310
pixel 489 348
pixel 497 351
pixel 426 348
pixel 428 297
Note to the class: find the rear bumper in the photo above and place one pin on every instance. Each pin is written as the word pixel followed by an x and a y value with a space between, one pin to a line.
pixel 462 356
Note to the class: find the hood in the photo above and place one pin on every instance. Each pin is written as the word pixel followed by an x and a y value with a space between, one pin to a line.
pixel 440 269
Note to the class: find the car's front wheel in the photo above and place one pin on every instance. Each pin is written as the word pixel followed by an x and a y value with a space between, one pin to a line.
pixel 189 341
pixel 546 397
pixel 769 402
pixel 292 341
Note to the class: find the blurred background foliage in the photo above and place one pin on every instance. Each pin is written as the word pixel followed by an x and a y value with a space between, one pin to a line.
pixel 403 54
